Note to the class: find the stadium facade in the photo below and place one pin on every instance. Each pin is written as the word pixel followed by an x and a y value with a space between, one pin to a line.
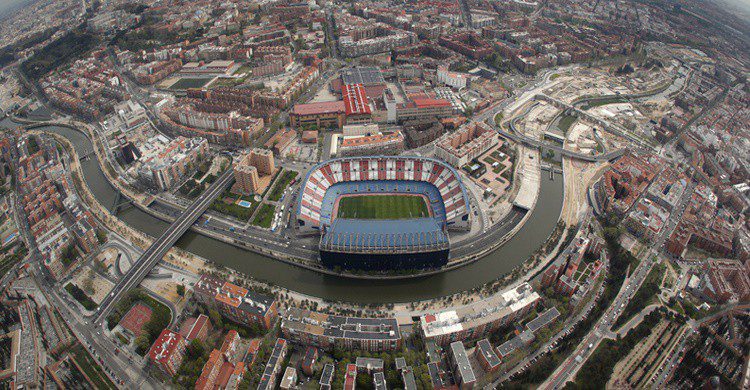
pixel 401 243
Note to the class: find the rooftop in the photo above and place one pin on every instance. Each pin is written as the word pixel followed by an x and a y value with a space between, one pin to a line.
pixel 362 75
pixel 341 327
pixel 319 108
pixel 468 317
pixel 462 361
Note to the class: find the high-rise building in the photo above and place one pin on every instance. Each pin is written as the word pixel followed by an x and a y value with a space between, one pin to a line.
pixel 168 351
pixel 250 167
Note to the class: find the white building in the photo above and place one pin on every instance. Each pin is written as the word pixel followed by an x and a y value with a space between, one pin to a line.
pixel 452 79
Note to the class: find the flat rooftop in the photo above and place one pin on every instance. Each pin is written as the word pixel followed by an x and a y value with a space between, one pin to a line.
pixel 404 233
pixel 368 75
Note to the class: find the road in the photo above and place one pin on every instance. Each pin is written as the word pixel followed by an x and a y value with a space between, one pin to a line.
pixel 120 366
pixel 161 245
pixel 552 342
pixel 516 136
pixel 603 329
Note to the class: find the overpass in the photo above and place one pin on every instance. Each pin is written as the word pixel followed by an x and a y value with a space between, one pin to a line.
pixel 606 126
pixel 161 246
pixel 516 136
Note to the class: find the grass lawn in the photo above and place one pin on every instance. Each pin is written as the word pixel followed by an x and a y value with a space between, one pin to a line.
pixel 282 183
pixel 264 217
pixel 80 296
pixel 565 123
pixel 604 102
pixel 383 207
pixel 233 209
pixel 187 83
pixel 91 368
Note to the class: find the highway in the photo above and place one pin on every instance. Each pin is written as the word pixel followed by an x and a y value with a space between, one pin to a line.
pixel 161 245
pixel 516 136
pixel 567 371
pixel 551 344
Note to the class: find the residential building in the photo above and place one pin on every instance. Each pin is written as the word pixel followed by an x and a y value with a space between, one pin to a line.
pixel 327 331
pixel 378 381
pixel 486 356
pixel 289 380
pixel 421 132
pixel 376 144
pixel 236 303
pixel 281 140
pixel 350 379
pixel 273 367
pixel 369 365
pixel 164 162
pixel 480 319
pixel 722 281
pixel 168 351
pixel 465 144
pixel 452 79
pixel 308 362
pixel 326 377
pixel 248 169
pixel 462 371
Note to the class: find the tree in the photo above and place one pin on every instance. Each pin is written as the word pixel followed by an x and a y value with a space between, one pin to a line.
pixel 181 290
pixel 101 236
pixel 612 233
pixel 215 318
pixel 142 344
pixel 195 349
pixel 99 266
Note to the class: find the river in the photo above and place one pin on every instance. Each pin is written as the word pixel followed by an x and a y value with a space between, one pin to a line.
pixel 530 237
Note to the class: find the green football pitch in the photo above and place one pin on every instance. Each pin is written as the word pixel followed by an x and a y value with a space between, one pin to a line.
pixel 382 207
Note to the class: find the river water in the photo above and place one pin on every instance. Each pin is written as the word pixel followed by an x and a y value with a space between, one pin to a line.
pixel 530 237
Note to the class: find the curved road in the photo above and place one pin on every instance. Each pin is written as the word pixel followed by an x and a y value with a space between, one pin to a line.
pixel 161 245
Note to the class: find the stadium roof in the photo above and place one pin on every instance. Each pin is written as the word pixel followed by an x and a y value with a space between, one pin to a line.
pixel 376 235
pixel 362 75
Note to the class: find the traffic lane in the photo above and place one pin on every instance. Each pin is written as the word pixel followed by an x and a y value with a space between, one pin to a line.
pixel 154 253
pixel 232 231
pixel 85 335
pixel 491 236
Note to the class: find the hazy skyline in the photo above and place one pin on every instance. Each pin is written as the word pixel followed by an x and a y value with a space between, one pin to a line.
pixel 7 6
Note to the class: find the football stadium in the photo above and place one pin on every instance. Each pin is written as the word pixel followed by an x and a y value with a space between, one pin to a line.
pixel 383 213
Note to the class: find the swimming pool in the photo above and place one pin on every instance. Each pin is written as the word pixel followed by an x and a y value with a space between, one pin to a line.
pixel 244 204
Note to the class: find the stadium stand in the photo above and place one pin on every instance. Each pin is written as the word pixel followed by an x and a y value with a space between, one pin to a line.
pixel 383 244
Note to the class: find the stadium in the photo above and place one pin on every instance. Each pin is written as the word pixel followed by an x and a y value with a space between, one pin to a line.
pixel 383 213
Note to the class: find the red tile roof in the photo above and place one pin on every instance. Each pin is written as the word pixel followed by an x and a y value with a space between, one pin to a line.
pixel 164 346
pixel 197 327
pixel 355 100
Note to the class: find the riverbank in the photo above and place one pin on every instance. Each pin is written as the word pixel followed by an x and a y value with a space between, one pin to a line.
pixel 473 277
pixel 142 202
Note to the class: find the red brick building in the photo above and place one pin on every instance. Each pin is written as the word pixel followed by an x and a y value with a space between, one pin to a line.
pixel 236 303
pixel 168 351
